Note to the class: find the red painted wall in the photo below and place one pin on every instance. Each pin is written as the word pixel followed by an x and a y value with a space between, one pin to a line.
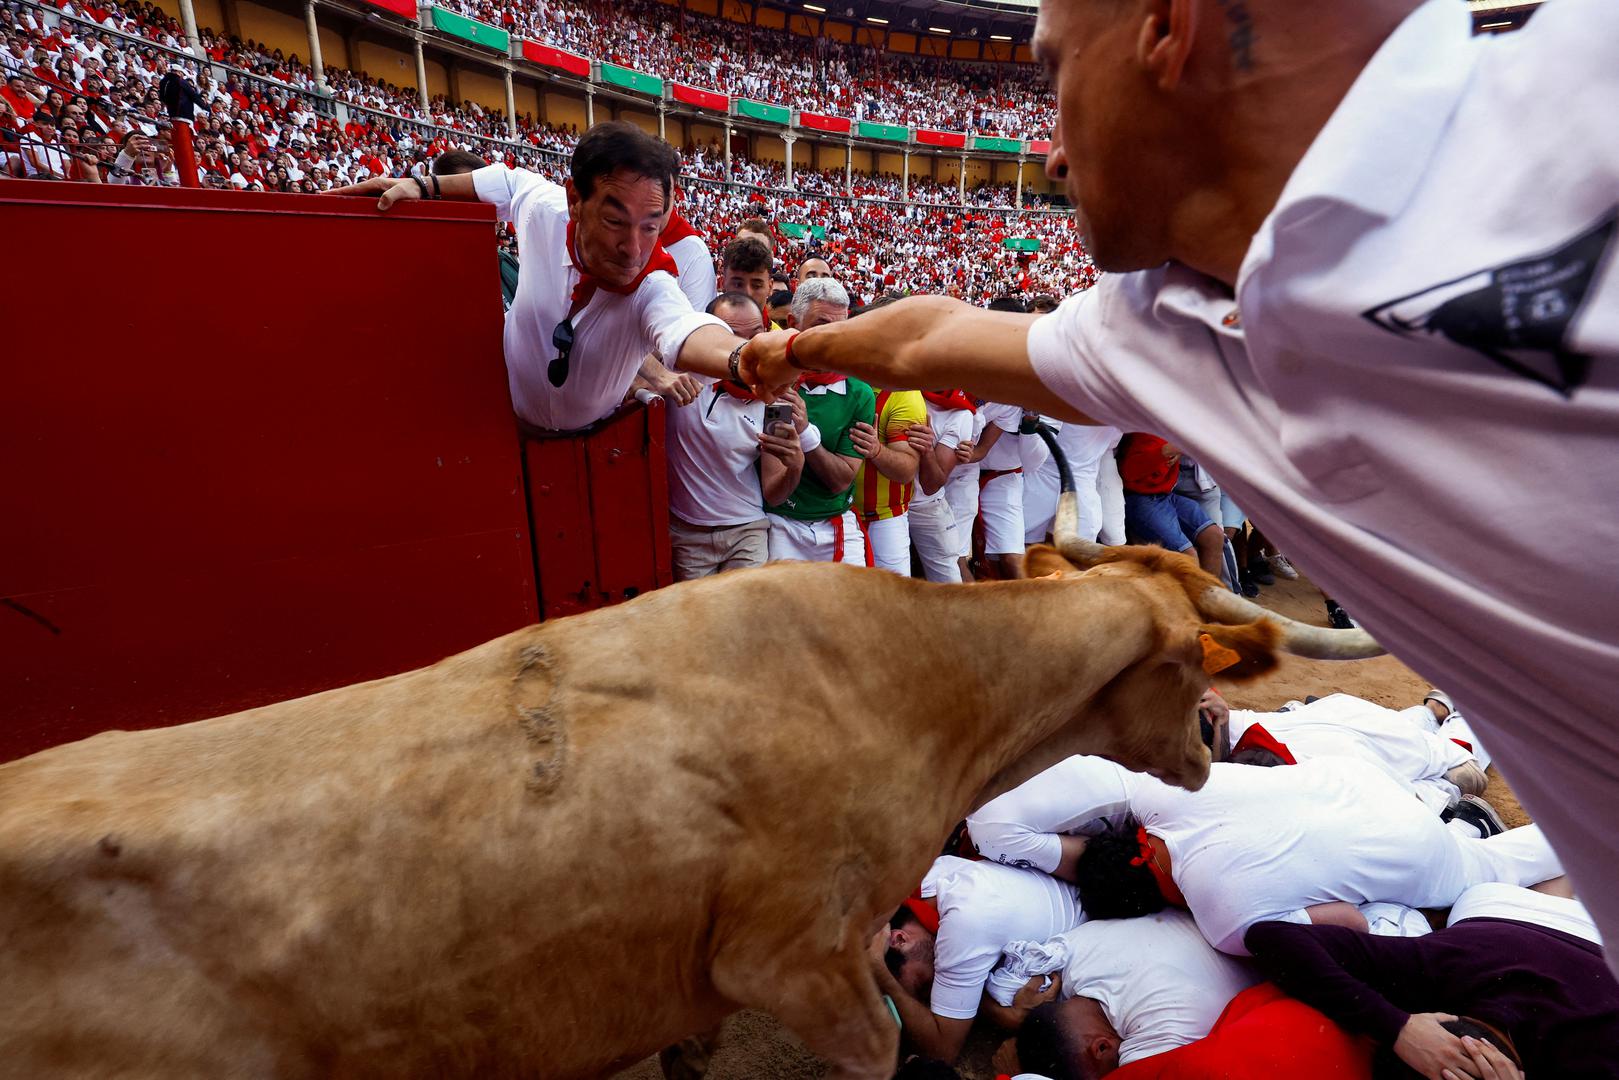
pixel 272 455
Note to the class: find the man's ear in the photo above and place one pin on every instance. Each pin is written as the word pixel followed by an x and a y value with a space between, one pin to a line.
pixel 1103 1051
pixel 1043 560
pixel 574 201
pixel 1164 43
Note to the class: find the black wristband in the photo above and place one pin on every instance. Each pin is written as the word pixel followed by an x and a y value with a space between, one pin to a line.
pixel 423 185
pixel 735 364
pixel 437 194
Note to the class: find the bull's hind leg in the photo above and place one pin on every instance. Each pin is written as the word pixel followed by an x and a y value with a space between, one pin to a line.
pixel 830 1003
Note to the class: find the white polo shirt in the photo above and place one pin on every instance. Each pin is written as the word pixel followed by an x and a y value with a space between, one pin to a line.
pixel 714 459
pixel 951 427
pixel 611 334
pixel 1007 451
pixel 982 906
pixel 1397 390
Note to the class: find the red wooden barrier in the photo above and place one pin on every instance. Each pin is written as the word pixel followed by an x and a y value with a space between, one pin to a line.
pixel 256 445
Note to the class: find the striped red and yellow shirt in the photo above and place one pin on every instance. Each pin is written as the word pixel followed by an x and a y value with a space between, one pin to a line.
pixel 897 412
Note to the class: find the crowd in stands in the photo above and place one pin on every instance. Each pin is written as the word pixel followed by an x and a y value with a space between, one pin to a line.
pixel 816 75
pixel 84 105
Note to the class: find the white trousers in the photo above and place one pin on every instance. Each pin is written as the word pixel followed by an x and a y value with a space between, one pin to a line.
pixel 1110 502
pixel 961 491
pixel 836 540
pixel 933 531
pixel 1000 504
pixel 890 540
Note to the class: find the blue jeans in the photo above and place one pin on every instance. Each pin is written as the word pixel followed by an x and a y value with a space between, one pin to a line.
pixel 1168 520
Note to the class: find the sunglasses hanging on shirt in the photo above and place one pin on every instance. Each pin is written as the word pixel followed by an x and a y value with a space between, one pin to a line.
pixel 562 340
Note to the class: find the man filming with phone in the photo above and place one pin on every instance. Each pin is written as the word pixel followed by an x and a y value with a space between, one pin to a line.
pixel 729 455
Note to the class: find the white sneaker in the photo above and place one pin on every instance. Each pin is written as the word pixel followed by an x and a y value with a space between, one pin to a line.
pixel 1281 567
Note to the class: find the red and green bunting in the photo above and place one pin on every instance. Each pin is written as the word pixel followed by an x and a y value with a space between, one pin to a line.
pixel 955 139
pixel 1021 243
pixel 403 8
pixel 702 99
pixel 479 33
pixel 763 110
pixel 816 122
pixel 1004 146
pixel 1040 146
pixel 546 56
pixel 888 132
pixel 630 79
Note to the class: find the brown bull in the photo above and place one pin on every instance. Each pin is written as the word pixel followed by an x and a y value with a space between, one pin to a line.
pixel 564 849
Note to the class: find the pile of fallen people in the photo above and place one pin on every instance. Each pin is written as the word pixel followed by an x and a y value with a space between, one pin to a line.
pixel 1337 901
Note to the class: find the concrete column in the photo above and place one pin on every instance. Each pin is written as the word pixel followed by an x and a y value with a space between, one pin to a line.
pixel 663 122
pixel 727 153
pixel 511 106
pixel 590 108
pixel 848 168
pixel 188 19
pixel 961 179
pixel 315 60
pixel 1020 183
pixel 789 140
pixel 905 179
pixel 421 75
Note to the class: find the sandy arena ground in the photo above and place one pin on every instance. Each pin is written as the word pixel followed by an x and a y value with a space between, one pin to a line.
pixel 754 1047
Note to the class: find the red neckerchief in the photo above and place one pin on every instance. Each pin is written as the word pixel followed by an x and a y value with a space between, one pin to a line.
pixel 1256 737
pixel 677 230
pixel 588 284
pixel 1149 858
pixel 950 399
pixel 736 390
pixel 926 912
pixel 820 378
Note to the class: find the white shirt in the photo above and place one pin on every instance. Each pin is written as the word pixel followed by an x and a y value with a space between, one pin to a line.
pixel 611 334
pixel 696 265
pixel 1342 725
pixel 714 459
pixel 982 906
pixel 1159 983
pixel 1007 451
pixel 1415 478
pixel 951 428
pixel 1253 845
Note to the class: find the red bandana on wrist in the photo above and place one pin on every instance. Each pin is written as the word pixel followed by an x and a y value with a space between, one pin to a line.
pixel 950 399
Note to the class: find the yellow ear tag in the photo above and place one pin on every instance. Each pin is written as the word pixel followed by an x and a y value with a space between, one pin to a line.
pixel 1216 657
pixel 1053 576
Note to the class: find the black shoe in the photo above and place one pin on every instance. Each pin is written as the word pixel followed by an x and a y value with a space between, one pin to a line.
pixel 1259 570
pixel 1246 586
pixel 1338 618
pixel 1479 814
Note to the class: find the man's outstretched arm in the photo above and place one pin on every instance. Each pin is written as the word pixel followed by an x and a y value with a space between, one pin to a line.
pixel 924 342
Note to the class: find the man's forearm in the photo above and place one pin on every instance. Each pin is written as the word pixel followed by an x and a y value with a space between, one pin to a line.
pixel 933 472
pixel 707 351
pixel 933 341
pixel 899 465
pixel 834 471
pixel 918 1022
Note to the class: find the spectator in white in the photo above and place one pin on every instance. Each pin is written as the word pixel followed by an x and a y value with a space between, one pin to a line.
pixel 1145 985
pixel 933 521
pixel 724 467
pixel 1084 445
pixel 757 229
pixel 811 268
pixel 934 959
pixel 1308 843
pixel 597 291
pixel 1438 770
pixel 1267 317
pixel 1006 455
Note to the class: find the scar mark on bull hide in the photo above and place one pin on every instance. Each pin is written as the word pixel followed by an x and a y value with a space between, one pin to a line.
pixel 538 717
pixel 109 846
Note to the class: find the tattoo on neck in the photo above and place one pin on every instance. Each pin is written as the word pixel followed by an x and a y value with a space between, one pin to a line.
pixel 1241 36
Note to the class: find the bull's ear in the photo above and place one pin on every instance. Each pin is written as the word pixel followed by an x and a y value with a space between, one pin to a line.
pixel 1043 560
pixel 1239 652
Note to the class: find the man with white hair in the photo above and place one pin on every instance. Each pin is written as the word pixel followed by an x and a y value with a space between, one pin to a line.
pixel 1297 297
pixel 815 523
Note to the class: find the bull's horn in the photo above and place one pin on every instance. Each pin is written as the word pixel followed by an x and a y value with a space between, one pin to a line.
pixel 1300 639
pixel 1065 529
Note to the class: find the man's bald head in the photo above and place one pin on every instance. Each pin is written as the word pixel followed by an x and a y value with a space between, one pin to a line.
pixel 813 268
pixel 1179 121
